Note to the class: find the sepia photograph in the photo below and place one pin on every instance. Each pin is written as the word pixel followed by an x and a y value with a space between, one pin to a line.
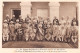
pixel 40 24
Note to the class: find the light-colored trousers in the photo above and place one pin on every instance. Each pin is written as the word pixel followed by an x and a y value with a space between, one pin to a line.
pixel 5 37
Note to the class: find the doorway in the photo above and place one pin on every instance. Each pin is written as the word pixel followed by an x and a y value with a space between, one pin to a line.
pixel 17 13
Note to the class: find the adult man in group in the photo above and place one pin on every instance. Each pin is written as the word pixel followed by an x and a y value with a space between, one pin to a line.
pixel 5 31
pixel 74 36
pixel 27 19
pixel 12 31
pixel 18 29
pixel 13 18
pixel 20 19
pixel 7 18
pixel 74 20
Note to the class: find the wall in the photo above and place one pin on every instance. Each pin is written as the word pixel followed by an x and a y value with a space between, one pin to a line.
pixel 67 9
pixel 8 6
pixel 39 5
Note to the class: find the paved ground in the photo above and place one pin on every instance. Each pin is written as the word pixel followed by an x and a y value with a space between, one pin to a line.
pixel 35 44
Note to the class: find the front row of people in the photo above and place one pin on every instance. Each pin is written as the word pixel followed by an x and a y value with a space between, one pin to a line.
pixel 39 30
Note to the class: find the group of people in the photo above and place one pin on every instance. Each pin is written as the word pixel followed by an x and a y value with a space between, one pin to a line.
pixel 39 29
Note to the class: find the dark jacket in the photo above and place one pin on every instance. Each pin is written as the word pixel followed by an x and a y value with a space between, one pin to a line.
pixel 74 20
pixel 57 22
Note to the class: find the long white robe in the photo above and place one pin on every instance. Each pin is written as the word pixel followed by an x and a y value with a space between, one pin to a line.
pixel 63 28
pixel 5 32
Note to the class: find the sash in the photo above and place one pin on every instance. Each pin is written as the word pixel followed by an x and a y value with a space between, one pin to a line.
pixel 40 30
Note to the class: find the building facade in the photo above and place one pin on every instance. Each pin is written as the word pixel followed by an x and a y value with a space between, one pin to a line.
pixel 42 9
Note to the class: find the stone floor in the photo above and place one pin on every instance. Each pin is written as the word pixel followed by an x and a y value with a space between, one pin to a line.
pixel 35 44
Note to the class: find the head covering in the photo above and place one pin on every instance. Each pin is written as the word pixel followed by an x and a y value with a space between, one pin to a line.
pixel 11 22
pixel 13 15
pixel 23 21
pixel 5 21
pixel 17 20
pixel 19 15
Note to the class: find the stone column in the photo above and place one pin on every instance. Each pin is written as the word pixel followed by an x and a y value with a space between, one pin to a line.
pixel 25 9
pixel 54 10
pixel 77 10
pixel 2 10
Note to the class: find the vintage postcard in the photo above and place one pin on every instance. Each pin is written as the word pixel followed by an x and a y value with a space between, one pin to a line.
pixel 40 26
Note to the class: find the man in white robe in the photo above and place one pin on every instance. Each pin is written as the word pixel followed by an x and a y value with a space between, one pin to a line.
pixel 5 31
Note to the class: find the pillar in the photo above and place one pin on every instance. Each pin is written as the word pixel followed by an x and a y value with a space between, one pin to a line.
pixel 77 10
pixel 54 10
pixel 25 9
pixel 2 10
